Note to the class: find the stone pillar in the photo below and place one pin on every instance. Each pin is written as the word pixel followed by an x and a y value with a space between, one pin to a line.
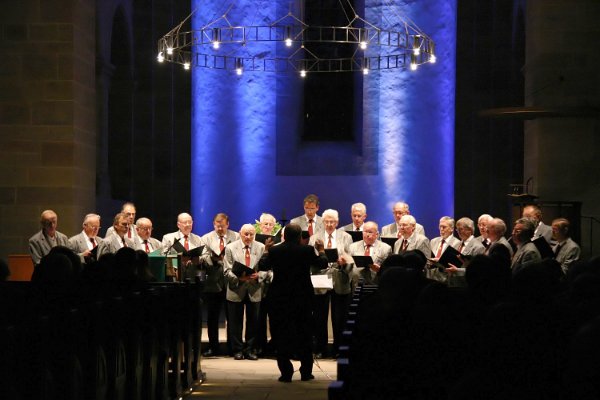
pixel 47 117
pixel 561 73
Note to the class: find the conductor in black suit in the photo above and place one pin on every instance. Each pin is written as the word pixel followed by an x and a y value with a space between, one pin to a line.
pixel 291 299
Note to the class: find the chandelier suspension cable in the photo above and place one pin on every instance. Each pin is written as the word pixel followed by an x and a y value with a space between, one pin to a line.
pixel 259 7
pixel 222 17
pixel 344 10
pixel 290 15
pixel 406 20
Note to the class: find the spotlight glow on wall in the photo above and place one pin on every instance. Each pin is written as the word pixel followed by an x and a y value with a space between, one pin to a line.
pixel 248 154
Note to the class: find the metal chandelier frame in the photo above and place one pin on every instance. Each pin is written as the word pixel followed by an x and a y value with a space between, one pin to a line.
pixel 223 46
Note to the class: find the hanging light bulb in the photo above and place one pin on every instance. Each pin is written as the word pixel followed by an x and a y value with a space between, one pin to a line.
pixel 363 45
pixel 303 73
pixel 186 65
pixel 216 38
pixel 432 57
pixel 169 50
pixel 239 67
pixel 417 45
pixel 160 57
pixel 365 71
pixel 413 62
pixel 288 36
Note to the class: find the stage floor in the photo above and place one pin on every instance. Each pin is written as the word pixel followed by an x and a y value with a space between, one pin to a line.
pixel 227 378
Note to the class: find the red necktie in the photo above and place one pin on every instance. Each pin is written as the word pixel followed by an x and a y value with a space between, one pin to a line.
pixel 221 244
pixel 404 244
pixel 129 233
pixel 329 242
pixel 247 256
pixel 439 252
pixel 310 227
pixel 147 248
pixel 368 250
pixel 357 229
pixel 186 244
pixel 93 243
pixel 462 245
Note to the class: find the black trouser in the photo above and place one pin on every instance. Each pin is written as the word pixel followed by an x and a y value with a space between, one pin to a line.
pixel 320 319
pixel 214 304
pixel 261 335
pixel 236 324
pixel 340 303
pixel 287 368
pixel 292 331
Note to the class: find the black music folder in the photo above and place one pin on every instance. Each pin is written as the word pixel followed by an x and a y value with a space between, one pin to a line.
pixel 195 252
pixel 332 255
pixel 543 247
pixel 240 269
pixel 450 256
pixel 261 237
pixel 362 261
pixel 94 253
pixel 214 254
pixel 391 241
pixel 356 235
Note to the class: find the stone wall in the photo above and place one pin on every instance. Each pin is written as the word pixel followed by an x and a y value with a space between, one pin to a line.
pixel 47 117
pixel 562 154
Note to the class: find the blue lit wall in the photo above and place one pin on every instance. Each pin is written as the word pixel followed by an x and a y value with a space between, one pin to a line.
pixel 247 157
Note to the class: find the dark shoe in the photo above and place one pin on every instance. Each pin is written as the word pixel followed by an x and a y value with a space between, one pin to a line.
pixel 238 356
pixel 307 377
pixel 209 353
pixel 285 379
pixel 251 356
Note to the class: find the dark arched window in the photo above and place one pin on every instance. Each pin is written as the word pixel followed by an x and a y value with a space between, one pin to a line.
pixel 332 102
pixel 120 111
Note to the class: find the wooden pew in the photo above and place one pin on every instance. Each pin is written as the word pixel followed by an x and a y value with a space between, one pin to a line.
pixel 337 389
pixel 141 344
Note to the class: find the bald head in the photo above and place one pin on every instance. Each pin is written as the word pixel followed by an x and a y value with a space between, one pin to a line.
pixel 247 233
pixel 399 210
pixel 49 222
pixel 370 232
pixel 144 228
pixel 185 223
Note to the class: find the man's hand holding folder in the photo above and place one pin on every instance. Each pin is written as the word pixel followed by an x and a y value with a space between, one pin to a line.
pixel 243 273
